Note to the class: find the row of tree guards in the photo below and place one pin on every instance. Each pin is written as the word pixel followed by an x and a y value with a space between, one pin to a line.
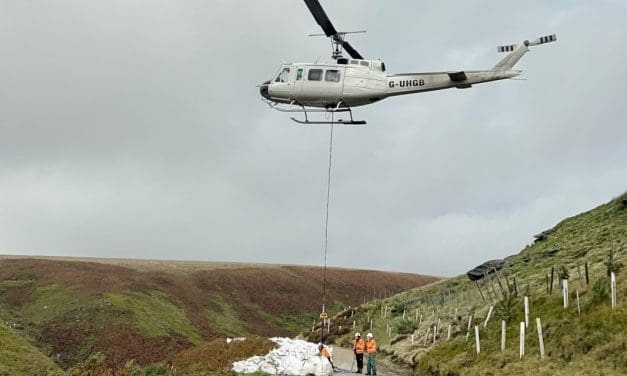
pixel 507 288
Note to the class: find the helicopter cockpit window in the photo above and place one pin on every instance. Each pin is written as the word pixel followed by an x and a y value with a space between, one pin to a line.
pixel 332 75
pixel 284 76
pixel 299 74
pixel 365 63
pixel 315 75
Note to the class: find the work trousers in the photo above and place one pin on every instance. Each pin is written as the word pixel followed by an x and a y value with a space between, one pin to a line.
pixel 372 364
pixel 360 362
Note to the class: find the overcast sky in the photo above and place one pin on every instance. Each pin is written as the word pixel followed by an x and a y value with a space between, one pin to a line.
pixel 135 129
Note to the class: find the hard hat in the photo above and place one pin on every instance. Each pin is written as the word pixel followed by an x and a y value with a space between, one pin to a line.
pixel 369 335
pixel 357 334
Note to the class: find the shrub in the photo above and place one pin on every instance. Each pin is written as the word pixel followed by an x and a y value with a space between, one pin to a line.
pixel 506 308
pixel 613 266
pixel 406 327
pixel 563 273
pixel 398 307
pixel 600 291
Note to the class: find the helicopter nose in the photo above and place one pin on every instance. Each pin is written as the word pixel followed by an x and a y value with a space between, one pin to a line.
pixel 263 89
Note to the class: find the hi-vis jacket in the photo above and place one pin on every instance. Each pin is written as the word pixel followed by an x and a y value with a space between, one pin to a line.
pixel 325 353
pixel 359 346
pixel 371 346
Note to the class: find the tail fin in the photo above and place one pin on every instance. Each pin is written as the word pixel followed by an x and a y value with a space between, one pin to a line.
pixel 516 52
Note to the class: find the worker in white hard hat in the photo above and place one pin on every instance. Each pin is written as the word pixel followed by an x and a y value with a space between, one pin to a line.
pixel 371 350
pixel 359 347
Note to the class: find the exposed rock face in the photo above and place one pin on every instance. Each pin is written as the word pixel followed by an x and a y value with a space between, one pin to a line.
pixel 543 235
pixel 486 268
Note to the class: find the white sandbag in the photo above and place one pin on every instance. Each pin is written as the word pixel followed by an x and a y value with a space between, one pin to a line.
pixel 293 357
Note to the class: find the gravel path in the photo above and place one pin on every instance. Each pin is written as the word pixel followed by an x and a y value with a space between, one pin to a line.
pixel 344 359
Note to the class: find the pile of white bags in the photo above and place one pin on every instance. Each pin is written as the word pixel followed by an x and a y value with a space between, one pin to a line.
pixel 293 357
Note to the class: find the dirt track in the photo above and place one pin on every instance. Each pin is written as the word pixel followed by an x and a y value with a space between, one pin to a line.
pixel 344 359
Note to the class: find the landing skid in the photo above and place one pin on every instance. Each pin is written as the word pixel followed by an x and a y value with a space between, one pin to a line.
pixel 295 107
pixel 339 121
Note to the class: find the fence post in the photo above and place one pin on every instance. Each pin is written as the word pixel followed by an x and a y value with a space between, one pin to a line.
pixel 477 339
pixel 469 322
pixel 540 338
pixel 503 329
pixel 435 332
pixel 485 324
pixel 565 292
pixel 587 279
pixel 412 339
pixel 522 339
pixel 613 287
pixel 403 314
pixel 551 285
pixel 526 311
pixel 578 306
pixel 448 336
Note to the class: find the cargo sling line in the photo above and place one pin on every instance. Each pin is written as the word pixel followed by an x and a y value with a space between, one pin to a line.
pixel 326 231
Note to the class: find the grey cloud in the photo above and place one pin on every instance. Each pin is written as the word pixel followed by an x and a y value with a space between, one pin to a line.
pixel 134 129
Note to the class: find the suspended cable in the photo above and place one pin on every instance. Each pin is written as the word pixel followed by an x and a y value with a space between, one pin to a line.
pixel 326 230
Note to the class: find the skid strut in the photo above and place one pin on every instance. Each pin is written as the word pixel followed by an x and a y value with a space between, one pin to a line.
pixel 302 109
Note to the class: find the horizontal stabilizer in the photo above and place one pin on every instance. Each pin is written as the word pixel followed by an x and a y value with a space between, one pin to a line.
pixel 545 39
pixel 509 48
pixel 458 76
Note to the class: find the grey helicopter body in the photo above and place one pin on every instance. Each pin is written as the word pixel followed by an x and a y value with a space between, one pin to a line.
pixel 335 87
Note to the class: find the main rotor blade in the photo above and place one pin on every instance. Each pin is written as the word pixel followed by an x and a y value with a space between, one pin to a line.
pixel 351 51
pixel 321 17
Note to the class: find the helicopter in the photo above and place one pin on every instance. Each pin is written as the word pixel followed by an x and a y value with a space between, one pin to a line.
pixel 338 86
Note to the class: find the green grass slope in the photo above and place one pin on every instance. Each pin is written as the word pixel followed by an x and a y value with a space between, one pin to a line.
pixel 19 357
pixel 588 338
pixel 152 311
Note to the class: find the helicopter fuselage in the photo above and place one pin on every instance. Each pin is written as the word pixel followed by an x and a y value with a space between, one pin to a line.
pixel 354 83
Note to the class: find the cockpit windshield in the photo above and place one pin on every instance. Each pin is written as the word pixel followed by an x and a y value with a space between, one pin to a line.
pixel 284 76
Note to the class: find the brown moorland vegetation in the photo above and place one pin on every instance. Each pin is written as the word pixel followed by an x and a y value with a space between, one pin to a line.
pixel 147 311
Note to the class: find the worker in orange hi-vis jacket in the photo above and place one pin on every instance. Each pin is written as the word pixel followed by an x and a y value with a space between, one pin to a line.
pixel 359 347
pixel 323 352
pixel 371 350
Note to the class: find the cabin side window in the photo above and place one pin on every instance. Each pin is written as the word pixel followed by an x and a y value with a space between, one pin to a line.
pixel 284 76
pixel 355 62
pixel 365 63
pixel 314 75
pixel 299 74
pixel 332 75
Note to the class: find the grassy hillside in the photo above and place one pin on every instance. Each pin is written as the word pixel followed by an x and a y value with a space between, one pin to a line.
pixel 19 357
pixel 585 341
pixel 151 311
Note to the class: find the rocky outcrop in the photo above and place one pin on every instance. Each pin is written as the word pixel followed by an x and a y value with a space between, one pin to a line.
pixel 486 268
